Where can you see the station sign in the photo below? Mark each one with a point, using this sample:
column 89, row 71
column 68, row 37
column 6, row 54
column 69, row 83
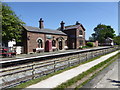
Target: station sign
column 49, row 36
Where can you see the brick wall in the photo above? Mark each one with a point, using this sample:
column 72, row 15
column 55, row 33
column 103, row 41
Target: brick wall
column 71, row 33
column 30, row 42
column 80, row 37
column 74, row 37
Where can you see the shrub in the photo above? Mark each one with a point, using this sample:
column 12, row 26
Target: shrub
column 82, row 47
column 85, row 46
column 90, row 44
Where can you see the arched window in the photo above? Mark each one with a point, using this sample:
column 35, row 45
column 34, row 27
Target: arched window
column 53, row 43
column 40, row 43
column 80, row 33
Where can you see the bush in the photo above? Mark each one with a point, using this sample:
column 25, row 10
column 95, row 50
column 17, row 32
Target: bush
column 90, row 44
column 85, row 46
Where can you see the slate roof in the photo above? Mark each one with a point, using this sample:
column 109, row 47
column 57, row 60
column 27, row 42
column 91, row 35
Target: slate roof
column 72, row 27
column 44, row 30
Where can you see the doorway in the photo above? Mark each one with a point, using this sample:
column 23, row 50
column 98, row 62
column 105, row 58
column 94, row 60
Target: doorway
column 60, row 45
column 48, row 46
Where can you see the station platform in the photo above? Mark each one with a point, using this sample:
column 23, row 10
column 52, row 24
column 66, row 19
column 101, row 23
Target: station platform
column 46, row 54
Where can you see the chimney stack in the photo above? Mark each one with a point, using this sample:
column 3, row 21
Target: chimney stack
column 62, row 26
column 77, row 23
column 41, row 23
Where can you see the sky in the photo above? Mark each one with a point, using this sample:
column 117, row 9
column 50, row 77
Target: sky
column 60, row 0
column 89, row 14
column 119, row 18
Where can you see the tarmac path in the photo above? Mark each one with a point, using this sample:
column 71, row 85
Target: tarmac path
column 107, row 78
column 58, row 79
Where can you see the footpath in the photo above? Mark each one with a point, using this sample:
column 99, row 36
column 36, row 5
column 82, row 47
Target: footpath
column 58, row 79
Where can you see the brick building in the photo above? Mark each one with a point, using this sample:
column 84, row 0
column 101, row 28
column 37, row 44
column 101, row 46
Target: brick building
column 75, row 34
column 42, row 39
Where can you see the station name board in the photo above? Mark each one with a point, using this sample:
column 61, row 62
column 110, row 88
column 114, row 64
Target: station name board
column 48, row 36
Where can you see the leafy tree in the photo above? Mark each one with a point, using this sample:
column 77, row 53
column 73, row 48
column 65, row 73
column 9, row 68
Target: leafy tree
column 102, row 32
column 11, row 25
column 91, row 39
column 117, row 40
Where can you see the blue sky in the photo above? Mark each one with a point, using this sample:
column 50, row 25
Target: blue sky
column 90, row 14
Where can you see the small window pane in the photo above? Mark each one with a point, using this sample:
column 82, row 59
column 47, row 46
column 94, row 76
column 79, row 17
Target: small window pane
column 81, row 42
column 81, row 33
column 53, row 43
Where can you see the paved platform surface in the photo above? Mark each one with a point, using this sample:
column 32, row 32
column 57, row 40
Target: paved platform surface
column 45, row 54
column 21, row 56
column 107, row 78
column 58, row 79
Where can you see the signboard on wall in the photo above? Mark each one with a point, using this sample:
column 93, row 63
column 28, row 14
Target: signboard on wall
column 48, row 36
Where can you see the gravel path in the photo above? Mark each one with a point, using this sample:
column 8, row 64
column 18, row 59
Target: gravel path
column 58, row 79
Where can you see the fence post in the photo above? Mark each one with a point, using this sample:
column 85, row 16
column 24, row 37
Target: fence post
column 54, row 67
column 33, row 70
column 92, row 54
column 79, row 57
column 86, row 56
column 68, row 61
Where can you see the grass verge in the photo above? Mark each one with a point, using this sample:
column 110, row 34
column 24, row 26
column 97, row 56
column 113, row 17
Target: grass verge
column 80, row 76
column 34, row 81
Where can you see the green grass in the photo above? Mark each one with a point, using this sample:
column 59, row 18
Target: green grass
column 34, row 81
column 80, row 76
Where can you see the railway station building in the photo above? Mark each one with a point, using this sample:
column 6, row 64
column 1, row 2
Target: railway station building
column 40, row 39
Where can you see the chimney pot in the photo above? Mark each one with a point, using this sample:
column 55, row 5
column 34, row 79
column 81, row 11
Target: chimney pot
column 77, row 23
column 62, row 25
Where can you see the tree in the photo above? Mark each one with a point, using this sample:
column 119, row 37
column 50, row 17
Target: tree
column 102, row 32
column 11, row 25
column 91, row 39
column 117, row 40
